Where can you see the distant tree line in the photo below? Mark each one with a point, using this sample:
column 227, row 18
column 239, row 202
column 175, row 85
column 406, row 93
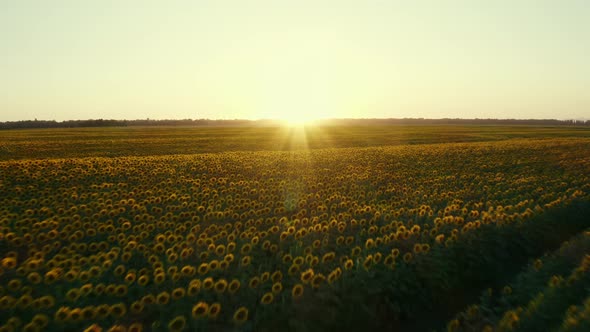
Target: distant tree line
column 447, row 121
column 31, row 124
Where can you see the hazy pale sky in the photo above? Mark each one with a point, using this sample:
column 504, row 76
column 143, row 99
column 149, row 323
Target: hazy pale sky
column 283, row 59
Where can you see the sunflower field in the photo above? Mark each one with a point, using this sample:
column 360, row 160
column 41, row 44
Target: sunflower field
column 474, row 236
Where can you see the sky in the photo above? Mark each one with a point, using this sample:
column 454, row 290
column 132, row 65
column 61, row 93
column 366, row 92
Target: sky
column 248, row 59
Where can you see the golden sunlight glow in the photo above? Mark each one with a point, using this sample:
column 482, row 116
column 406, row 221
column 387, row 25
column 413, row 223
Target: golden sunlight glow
column 297, row 119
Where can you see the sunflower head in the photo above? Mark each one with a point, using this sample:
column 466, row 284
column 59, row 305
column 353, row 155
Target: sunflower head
column 177, row 324
column 163, row 298
column 254, row 282
column 214, row 310
column 136, row 307
column 306, row 276
column 135, row 327
column 178, row 293
column 277, row 287
column 276, row 276
column 267, row 298
column 233, row 286
column 240, row 316
column 208, row 283
column 317, row 280
column 200, row 310
column 297, row 291
column 118, row 310
column 220, row 286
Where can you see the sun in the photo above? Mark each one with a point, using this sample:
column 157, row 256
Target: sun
column 298, row 119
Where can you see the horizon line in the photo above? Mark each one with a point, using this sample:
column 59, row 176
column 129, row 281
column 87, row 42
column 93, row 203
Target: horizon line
column 282, row 120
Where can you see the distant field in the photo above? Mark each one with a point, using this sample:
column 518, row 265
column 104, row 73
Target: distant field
column 144, row 141
column 376, row 228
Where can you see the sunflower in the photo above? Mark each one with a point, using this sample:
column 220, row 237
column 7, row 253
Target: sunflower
column 276, row 276
column 203, row 268
column 177, row 324
column 333, row 276
column 135, row 327
column 159, row 278
column 86, row 289
column 88, row 313
column 355, row 251
column 47, row 301
column 187, row 271
column 15, row 285
column 241, row 315
column 233, row 286
column 231, row 246
column 178, row 293
column 267, row 298
column 143, row 280
column 121, row 290
column 200, row 310
column 228, row 258
column 9, row 263
column 307, row 276
column 102, row 311
column 298, row 260
column 377, row 258
column 246, row 248
column 328, row 257
column 163, row 298
column 130, row 278
column 194, row 287
column 62, row 315
column 417, row 248
column 213, row 265
column 349, row 264
column 274, row 248
column 265, row 276
column 214, row 310
column 317, row 280
column 34, row 278
column 277, row 287
column 93, row 272
column 119, row 270
column 118, row 310
column 293, row 270
column 297, row 291
column 314, row 261
column 246, row 261
column 368, row 262
column 220, row 286
column 148, row 299
column 254, row 282
column 40, row 320
column 208, row 283
column 136, row 307
column 74, row 315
